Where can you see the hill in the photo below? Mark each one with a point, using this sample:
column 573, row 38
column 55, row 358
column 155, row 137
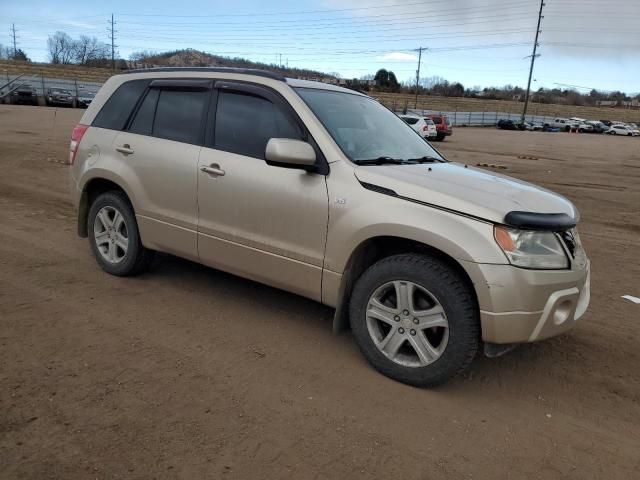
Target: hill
column 195, row 58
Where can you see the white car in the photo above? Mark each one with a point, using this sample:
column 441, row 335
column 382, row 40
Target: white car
column 634, row 128
column 623, row 130
column 424, row 126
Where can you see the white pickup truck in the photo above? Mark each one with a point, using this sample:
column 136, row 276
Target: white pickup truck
column 569, row 124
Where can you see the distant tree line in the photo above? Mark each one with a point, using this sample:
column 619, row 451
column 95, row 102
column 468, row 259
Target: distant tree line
column 7, row 53
column 85, row 50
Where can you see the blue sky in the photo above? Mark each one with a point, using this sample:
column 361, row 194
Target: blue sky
column 586, row 43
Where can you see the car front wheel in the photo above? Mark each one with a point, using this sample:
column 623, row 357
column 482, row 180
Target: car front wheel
column 415, row 319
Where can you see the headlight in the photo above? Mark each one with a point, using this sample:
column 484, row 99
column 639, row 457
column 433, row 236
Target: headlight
column 531, row 249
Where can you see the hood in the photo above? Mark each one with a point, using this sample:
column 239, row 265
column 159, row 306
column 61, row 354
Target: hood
column 467, row 190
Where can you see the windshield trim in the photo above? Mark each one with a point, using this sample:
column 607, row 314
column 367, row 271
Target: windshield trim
column 356, row 94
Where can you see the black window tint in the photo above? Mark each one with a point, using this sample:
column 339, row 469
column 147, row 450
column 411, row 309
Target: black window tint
column 115, row 112
column 143, row 121
column 245, row 123
column 410, row 120
column 437, row 120
column 179, row 115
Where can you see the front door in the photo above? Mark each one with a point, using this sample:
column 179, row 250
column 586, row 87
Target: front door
column 259, row 221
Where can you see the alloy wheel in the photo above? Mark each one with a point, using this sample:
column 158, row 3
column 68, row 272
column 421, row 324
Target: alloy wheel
column 407, row 323
column 110, row 233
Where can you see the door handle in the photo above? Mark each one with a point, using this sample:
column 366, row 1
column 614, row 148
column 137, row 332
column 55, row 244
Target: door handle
column 213, row 169
column 126, row 149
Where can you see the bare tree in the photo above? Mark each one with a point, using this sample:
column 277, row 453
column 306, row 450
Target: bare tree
column 87, row 50
column 61, row 48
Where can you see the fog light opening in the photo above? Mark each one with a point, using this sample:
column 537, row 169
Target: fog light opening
column 562, row 312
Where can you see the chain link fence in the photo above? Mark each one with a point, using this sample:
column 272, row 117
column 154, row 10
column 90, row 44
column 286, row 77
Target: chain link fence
column 43, row 86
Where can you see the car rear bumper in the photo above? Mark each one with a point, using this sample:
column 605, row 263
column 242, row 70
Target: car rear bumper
column 518, row 305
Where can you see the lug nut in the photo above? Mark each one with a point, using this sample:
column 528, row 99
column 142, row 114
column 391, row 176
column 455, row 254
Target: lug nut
column 412, row 332
column 405, row 312
column 401, row 330
column 396, row 318
column 416, row 321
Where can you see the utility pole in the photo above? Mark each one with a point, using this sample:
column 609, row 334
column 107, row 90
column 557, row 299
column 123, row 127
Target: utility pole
column 13, row 34
column 415, row 105
column 280, row 62
column 112, row 32
column 533, row 60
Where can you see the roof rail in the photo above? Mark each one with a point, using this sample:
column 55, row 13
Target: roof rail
column 244, row 71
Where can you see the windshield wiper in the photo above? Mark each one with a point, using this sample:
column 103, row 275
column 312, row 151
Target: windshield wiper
column 381, row 161
column 425, row 159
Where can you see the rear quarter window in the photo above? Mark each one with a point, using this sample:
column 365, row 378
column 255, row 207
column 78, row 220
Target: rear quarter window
column 117, row 109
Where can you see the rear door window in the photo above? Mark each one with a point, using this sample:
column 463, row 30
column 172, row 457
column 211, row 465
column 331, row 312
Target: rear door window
column 437, row 120
column 117, row 109
column 245, row 123
column 410, row 120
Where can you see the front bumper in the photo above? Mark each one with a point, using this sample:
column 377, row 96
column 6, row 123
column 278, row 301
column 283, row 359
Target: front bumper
column 518, row 305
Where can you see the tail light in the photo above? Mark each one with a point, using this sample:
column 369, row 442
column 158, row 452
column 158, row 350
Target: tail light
column 76, row 136
column 425, row 128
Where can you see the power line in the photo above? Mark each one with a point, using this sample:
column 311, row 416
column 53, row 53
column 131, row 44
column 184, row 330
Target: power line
column 307, row 12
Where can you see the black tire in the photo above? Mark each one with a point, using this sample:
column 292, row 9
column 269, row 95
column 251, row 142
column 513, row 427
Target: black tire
column 451, row 291
column 137, row 258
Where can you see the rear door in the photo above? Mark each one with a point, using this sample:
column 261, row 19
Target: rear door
column 160, row 149
column 263, row 222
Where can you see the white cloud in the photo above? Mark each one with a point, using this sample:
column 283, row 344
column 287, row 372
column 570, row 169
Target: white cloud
column 398, row 57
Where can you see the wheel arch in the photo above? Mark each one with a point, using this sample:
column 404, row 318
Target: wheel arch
column 376, row 248
column 91, row 190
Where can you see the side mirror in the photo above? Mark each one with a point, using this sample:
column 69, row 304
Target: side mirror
column 287, row 153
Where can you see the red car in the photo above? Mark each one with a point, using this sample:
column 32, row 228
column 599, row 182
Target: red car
column 443, row 126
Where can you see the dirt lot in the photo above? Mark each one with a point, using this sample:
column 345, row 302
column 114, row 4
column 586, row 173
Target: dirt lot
column 187, row 372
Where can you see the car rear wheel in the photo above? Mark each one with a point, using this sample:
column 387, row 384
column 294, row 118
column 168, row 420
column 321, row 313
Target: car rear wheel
column 114, row 236
column 415, row 319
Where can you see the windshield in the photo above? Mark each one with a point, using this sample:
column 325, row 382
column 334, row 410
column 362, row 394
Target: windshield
column 364, row 129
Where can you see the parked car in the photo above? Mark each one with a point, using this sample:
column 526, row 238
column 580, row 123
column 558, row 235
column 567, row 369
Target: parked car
column 59, row 96
column 443, row 126
column 561, row 123
column 622, row 130
column 581, row 125
column 425, row 127
column 608, row 123
column 533, row 126
column 510, row 125
column 84, row 99
column 598, row 127
column 427, row 260
column 24, row 95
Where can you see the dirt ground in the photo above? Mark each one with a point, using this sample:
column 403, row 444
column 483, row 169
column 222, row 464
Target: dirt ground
column 187, row 372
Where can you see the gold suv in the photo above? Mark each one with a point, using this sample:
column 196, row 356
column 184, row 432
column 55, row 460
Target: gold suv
column 323, row 192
